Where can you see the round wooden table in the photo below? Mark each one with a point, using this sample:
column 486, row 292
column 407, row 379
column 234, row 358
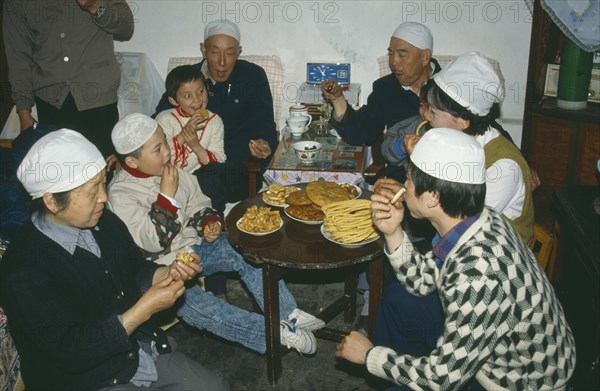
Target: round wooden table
column 295, row 246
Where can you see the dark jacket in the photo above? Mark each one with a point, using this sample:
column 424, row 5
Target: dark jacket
column 387, row 104
column 62, row 309
column 245, row 104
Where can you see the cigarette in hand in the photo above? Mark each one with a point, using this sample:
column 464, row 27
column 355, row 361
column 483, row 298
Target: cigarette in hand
column 399, row 194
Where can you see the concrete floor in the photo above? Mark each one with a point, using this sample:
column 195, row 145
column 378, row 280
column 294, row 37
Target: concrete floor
column 247, row 370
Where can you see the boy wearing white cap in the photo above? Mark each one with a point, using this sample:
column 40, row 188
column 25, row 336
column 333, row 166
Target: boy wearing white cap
column 394, row 97
column 166, row 212
column 78, row 295
column 503, row 326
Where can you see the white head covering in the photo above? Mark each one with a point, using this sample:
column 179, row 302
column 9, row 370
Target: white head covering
column 450, row 155
column 60, row 161
column 416, row 34
column 472, row 82
column 222, row 26
column 132, row 132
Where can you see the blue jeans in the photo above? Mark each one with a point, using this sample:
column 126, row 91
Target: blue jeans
column 207, row 312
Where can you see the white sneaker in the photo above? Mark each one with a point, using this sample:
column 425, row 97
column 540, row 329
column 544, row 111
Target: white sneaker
column 301, row 340
column 305, row 320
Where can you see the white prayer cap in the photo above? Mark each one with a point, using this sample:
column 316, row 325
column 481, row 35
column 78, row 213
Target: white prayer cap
column 132, row 132
column 60, row 161
column 472, row 82
column 222, row 26
column 450, row 155
column 416, row 34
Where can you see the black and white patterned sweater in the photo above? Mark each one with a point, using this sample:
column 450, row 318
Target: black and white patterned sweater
column 503, row 323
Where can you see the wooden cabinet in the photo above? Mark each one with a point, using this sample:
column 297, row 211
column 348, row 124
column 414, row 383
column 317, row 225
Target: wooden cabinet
column 564, row 152
column 562, row 145
column 578, row 277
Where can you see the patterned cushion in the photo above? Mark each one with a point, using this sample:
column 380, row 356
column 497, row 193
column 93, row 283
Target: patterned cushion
column 271, row 64
column 443, row 60
column 9, row 358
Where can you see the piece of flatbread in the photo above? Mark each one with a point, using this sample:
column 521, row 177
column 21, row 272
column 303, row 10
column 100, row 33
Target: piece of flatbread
column 323, row 192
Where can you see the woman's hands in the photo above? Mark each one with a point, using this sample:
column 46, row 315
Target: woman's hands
column 160, row 296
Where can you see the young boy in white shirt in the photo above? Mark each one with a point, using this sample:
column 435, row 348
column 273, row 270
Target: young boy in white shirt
column 195, row 134
column 165, row 211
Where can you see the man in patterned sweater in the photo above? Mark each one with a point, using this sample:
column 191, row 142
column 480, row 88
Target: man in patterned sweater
column 504, row 328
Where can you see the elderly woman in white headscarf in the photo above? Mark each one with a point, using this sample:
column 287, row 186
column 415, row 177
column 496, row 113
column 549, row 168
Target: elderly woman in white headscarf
column 76, row 291
column 466, row 96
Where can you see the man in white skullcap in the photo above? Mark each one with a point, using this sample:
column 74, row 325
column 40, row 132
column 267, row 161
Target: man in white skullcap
column 166, row 213
column 78, row 293
column 501, row 325
column 394, row 97
column 239, row 92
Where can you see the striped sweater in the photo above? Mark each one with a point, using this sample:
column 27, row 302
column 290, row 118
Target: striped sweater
column 503, row 323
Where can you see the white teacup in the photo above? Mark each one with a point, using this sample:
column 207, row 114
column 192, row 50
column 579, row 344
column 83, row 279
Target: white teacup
column 297, row 124
column 298, row 110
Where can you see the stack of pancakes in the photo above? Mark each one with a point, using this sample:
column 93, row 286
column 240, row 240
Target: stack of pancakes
column 306, row 204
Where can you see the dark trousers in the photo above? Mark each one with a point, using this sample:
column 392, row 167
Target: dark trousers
column 222, row 183
column 410, row 325
column 94, row 124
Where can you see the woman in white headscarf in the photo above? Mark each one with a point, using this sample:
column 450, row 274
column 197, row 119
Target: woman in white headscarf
column 466, row 96
column 76, row 291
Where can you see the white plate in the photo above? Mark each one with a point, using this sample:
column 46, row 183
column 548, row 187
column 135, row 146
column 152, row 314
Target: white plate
column 284, row 205
column 327, row 236
column 286, row 129
column 237, row 223
column 310, row 222
column 269, row 202
column 358, row 192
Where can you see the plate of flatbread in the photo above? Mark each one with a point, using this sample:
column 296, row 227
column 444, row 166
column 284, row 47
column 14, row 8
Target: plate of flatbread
column 307, row 214
column 305, row 205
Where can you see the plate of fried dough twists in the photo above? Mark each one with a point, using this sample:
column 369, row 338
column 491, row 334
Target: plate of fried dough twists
column 349, row 223
column 260, row 221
